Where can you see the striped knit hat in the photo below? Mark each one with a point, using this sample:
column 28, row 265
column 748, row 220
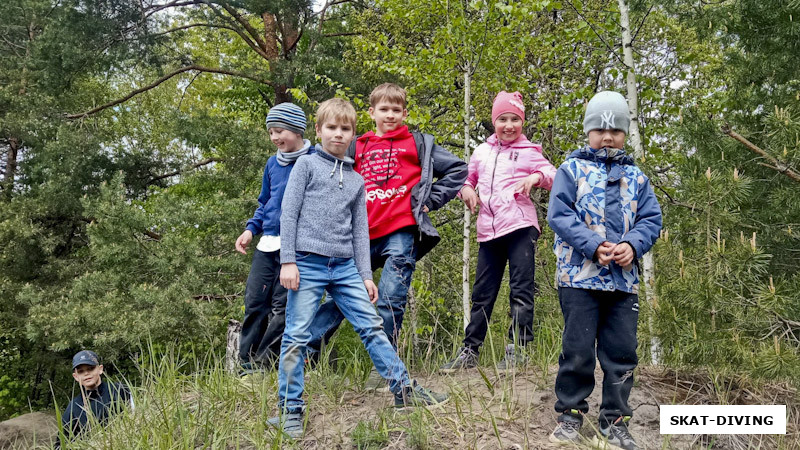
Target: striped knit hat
column 289, row 116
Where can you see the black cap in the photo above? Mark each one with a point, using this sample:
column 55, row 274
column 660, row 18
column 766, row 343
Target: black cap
column 85, row 357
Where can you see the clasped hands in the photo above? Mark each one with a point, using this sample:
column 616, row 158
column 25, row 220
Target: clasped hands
column 622, row 253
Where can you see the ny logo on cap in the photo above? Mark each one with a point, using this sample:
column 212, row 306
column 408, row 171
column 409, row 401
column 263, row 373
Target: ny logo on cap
column 607, row 119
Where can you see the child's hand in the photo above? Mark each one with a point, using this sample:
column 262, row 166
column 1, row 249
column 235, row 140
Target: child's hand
column 623, row 254
column 290, row 276
column 604, row 254
column 525, row 185
column 243, row 241
column 372, row 291
column 470, row 198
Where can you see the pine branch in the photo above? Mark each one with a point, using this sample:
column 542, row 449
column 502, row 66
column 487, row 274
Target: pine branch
column 161, row 80
column 192, row 25
column 258, row 46
column 239, row 18
column 777, row 166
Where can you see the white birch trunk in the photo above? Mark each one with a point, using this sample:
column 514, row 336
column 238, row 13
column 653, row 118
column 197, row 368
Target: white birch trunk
column 635, row 139
column 467, row 217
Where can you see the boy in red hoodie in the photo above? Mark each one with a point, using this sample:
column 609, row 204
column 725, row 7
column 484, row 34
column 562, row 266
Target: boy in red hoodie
column 398, row 167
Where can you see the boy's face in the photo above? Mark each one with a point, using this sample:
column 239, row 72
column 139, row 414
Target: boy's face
column 88, row 376
column 387, row 116
column 508, row 127
column 335, row 137
column 286, row 141
column 606, row 138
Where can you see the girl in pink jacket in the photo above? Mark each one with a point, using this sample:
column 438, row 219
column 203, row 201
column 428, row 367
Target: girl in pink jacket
column 503, row 170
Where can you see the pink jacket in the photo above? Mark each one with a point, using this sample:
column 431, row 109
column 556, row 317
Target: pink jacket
column 494, row 169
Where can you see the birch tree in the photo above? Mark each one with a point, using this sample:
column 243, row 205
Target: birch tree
column 635, row 140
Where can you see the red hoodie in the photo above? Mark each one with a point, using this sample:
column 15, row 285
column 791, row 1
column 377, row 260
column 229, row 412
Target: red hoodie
column 390, row 167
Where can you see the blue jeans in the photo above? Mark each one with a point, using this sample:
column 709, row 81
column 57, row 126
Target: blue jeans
column 397, row 254
column 340, row 278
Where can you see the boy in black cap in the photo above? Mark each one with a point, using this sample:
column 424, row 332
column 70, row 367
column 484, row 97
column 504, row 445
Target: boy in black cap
column 102, row 397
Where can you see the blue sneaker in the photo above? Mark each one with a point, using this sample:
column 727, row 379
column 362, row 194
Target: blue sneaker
column 289, row 424
column 416, row 395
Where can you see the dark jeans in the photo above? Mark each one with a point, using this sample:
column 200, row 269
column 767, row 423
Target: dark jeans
column 518, row 248
column 264, row 310
column 396, row 253
column 607, row 320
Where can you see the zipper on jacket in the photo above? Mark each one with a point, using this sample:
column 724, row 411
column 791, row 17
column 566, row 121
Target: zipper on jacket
column 491, row 192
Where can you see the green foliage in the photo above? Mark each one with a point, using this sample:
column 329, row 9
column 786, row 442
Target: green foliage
column 727, row 278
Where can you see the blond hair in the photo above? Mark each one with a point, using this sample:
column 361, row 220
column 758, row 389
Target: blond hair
column 336, row 110
column 388, row 92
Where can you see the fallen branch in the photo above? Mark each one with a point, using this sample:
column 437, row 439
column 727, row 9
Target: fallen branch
column 777, row 166
column 212, row 297
column 151, row 234
column 161, row 80
column 178, row 172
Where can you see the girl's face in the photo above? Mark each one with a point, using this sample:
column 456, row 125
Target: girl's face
column 508, row 127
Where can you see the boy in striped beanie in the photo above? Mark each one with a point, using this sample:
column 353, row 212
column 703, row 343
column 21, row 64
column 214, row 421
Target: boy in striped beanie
column 264, row 297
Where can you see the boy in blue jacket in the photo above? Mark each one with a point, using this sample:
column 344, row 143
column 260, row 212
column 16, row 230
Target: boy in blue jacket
column 605, row 216
column 264, row 297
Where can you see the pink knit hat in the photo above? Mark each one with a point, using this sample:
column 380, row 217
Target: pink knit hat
column 508, row 102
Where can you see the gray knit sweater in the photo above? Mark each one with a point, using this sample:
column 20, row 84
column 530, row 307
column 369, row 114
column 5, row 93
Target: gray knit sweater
column 324, row 211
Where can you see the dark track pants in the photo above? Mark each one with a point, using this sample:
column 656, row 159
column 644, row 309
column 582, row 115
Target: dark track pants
column 604, row 324
column 518, row 248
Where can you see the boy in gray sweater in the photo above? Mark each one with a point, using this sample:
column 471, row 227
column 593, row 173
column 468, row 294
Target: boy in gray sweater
column 325, row 246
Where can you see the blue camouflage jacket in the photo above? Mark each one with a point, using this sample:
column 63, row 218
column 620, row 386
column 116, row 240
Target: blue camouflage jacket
column 600, row 195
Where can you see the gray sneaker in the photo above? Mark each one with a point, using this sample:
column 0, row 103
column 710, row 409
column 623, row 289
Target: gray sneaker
column 514, row 358
column 416, row 395
column 466, row 359
column 616, row 436
column 567, row 432
column 290, row 424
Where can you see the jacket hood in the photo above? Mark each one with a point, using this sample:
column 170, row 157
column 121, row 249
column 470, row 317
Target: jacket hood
column 400, row 132
column 346, row 162
column 520, row 142
column 603, row 155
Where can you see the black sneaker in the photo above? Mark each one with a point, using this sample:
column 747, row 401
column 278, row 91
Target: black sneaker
column 250, row 368
column 289, row 424
column 514, row 358
column 616, row 436
column 466, row 359
column 568, row 431
column 416, row 395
